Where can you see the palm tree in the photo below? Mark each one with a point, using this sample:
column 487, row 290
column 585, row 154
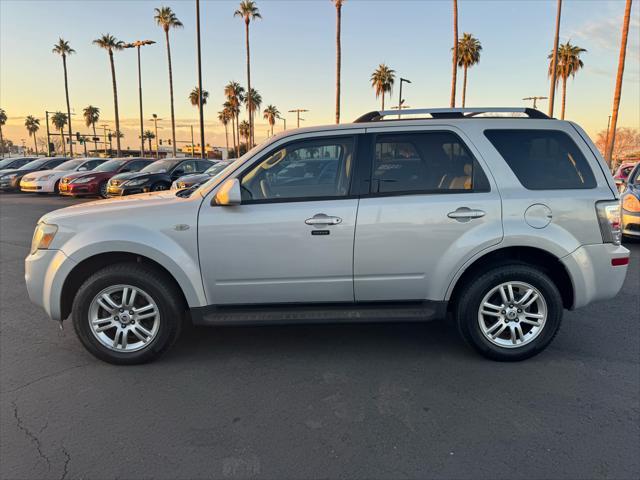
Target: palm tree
column 382, row 80
column 194, row 97
column 618, row 91
column 3, row 122
column 235, row 97
column 166, row 19
column 245, row 132
column 63, row 49
column 224, row 116
column 253, row 101
column 33, row 125
column 111, row 44
column 567, row 64
column 148, row 135
column 338, row 4
column 91, row 116
column 469, row 49
column 271, row 114
column 248, row 11
column 59, row 121
column 554, row 55
column 455, row 54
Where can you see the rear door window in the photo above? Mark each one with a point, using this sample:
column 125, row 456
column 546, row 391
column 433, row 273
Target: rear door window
column 543, row 159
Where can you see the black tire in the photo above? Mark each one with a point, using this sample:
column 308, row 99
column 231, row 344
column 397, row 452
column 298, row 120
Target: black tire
column 468, row 305
column 56, row 188
column 156, row 284
column 102, row 190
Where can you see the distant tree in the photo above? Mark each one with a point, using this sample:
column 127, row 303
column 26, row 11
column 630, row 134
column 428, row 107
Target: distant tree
column 91, row 116
column 253, row 101
column 148, row 135
column 567, row 64
column 33, row 125
column 271, row 114
column 194, row 97
column 469, row 49
column 627, row 144
column 224, row 116
column 245, row 132
column 3, row 122
column 63, row 49
column 382, row 80
column 59, row 121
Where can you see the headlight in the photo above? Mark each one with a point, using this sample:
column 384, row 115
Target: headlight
column 82, row 180
column 135, row 183
column 9, row 176
column 631, row 204
column 43, row 178
column 43, row 236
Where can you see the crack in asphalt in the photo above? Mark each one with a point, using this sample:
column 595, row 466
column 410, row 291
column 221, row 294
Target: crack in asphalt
column 67, row 460
column 30, row 435
column 44, row 377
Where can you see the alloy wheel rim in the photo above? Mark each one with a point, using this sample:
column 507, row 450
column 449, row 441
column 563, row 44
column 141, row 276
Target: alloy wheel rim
column 512, row 314
column 103, row 189
column 124, row 318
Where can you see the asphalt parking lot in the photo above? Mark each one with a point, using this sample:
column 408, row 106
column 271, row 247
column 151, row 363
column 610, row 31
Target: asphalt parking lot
column 344, row 401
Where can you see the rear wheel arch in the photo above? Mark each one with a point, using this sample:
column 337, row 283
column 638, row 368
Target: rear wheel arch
column 89, row 266
column 531, row 256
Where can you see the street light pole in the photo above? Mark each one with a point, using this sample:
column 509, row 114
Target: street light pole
column 193, row 146
column 201, row 110
column 104, row 128
column 284, row 120
column 155, row 124
column 137, row 44
column 48, row 139
column 400, row 95
column 297, row 111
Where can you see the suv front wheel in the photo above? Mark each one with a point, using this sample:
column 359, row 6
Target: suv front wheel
column 509, row 313
column 127, row 314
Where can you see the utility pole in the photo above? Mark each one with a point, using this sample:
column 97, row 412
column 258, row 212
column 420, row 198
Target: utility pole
column 400, row 100
column 554, row 61
column 104, row 128
column 535, row 100
column 137, row 44
column 155, row 124
column 200, row 106
column 298, row 111
column 193, row 145
column 48, row 139
column 285, row 123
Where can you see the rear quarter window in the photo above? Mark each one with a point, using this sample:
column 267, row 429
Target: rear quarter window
column 543, row 159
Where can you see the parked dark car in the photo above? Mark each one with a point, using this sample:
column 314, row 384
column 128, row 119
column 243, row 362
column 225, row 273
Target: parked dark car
column 630, row 201
column 194, row 179
column 95, row 182
column 155, row 177
column 10, row 180
column 12, row 163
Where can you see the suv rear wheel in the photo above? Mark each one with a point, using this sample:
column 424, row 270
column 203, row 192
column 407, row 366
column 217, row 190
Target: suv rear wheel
column 510, row 313
column 127, row 314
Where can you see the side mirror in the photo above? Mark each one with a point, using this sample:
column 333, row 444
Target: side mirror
column 228, row 194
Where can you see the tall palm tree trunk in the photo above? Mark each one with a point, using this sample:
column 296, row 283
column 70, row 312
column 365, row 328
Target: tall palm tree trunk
column 173, row 116
column 455, row 54
column 64, row 148
column 338, row 59
column 115, row 102
column 554, row 61
column 238, row 133
column 618, row 91
column 464, row 87
column 95, row 141
column 35, row 143
column 233, row 134
column 1, row 144
column 246, row 25
column 382, row 101
column 149, row 140
column 226, row 136
column 564, row 96
column 66, row 91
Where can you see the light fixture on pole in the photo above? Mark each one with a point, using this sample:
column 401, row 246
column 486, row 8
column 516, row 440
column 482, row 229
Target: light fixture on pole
column 297, row 111
column 535, row 100
column 155, row 125
column 137, row 44
column 200, row 106
column 400, row 100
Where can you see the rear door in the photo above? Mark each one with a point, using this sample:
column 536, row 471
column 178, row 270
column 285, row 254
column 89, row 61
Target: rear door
column 429, row 205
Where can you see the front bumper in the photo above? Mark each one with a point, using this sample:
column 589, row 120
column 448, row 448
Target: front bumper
column 9, row 184
column 593, row 274
column 122, row 190
column 78, row 189
column 44, row 274
column 630, row 223
column 38, row 186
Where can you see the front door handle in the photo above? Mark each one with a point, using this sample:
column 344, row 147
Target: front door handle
column 323, row 219
column 464, row 214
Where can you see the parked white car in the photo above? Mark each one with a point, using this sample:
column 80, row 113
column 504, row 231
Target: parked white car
column 47, row 181
column 501, row 222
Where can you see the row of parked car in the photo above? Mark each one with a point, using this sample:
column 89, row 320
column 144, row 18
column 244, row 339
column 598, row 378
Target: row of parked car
column 104, row 177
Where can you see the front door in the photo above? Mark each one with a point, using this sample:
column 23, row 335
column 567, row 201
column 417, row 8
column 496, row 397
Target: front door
column 291, row 239
column 429, row 208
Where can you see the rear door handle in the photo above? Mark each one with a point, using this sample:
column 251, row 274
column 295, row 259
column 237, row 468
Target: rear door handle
column 323, row 219
column 464, row 214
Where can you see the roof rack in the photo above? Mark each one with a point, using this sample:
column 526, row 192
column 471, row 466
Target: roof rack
column 438, row 113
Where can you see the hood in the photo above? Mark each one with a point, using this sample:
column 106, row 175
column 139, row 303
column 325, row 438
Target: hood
column 194, row 177
column 123, row 177
column 7, row 170
column 76, row 175
column 128, row 206
column 40, row 173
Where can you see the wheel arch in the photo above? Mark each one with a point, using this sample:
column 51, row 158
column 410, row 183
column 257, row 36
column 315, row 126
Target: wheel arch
column 535, row 257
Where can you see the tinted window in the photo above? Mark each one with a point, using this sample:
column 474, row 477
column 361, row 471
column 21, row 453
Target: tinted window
column 203, row 165
column 160, row 166
column 425, row 162
column 306, row 169
column 634, row 178
column 35, row 164
column 110, row 166
column 69, row 165
column 188, row 167
column 137, row 165
column 13, row 162
column 543, row 159
column 91, row 164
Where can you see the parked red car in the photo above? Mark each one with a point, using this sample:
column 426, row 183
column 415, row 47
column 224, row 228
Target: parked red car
column 622, row 173
column 95, row 182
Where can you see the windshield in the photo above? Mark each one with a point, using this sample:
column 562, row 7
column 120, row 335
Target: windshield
column 69, row 165
column 8, row 161
column 217, row 168
column 160, row 166
column 110, row 166
column 34, row 164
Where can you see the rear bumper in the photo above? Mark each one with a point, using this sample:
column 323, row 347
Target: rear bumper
column 592, row 273
column 631, row 223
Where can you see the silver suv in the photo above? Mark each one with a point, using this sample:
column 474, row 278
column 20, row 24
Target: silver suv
column 500, row 218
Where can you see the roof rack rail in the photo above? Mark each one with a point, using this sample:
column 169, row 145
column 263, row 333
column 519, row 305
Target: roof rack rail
column 437, row 113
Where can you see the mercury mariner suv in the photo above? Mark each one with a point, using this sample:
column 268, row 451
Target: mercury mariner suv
column 496, row 218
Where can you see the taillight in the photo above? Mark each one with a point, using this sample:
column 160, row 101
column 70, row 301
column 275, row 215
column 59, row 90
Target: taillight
column 630, row 203
column 609, row 218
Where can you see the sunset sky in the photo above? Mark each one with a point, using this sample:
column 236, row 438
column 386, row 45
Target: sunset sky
column 293, row 58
